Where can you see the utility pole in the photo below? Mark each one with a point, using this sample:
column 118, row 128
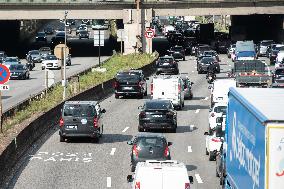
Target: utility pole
column 1, row 118
column 64, row 54
column 137, row 19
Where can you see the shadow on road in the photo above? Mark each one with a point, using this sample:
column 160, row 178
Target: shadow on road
column 113, row 138
column 185, row 129
column 195, row 107
column 191, row 167
column 198, row 98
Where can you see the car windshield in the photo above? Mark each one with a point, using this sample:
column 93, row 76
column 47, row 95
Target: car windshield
column 204, row 48
column 158, row 105
column 150, row 142
column 44, row 49
column 209, row 53
column 60, row 34
column 163, row 60
column 279, row 72
column 17, row 67
column 79, row 110
column 51, row 58
column 221, row 109
column 83, row 32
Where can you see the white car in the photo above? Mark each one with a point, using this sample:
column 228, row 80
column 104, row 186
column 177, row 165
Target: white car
column 51, row 62
column 218, row 110
column 214, row 141
column 279, row 59
column 220, row 89
column 154, row 174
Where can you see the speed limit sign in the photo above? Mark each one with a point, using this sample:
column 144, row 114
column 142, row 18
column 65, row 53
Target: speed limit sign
column 149, row 33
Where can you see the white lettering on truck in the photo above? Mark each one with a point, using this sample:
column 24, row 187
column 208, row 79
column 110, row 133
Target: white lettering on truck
column 244, row 156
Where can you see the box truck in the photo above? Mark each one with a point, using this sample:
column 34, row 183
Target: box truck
column 254, row 139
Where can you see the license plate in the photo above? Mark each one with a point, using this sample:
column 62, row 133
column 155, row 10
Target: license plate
column 71, row 127
column 166, row 64
column 127, row 88
column 157, row 115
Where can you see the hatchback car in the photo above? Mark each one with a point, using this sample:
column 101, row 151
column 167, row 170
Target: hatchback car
column 157, row 114
column 167, row 65
column 149, row 146
column 81, row 119
column 130, row 82
column 177, row 52
column 19, row 71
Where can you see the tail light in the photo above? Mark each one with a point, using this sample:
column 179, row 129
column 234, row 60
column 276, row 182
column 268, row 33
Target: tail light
column 142, row 115
column 96, row 122
column 166, row 152
column 135, row 150
column 115, row 84
column 152, row 87
column 61, row 122
column 212, row 115
column 137, row 185
column 216, row 140
column 187, row 186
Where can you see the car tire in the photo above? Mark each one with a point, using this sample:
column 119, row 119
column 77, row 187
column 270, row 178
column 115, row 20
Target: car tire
column 183, row 104
column 183, row 58
column 28, row 76
column 42, row 68
column 96, row 139
column 116, row 96
column 199, row 71
column 174, row 130
column 140, row 129
column 191, row 96
column 62, row 139
column 140, row 96
column 211, row 156
column 206, row 152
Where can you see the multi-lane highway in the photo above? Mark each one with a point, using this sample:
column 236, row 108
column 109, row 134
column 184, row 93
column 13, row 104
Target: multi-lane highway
column 83, row 164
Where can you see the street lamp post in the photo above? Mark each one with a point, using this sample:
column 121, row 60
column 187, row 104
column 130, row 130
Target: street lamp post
column 64, row 54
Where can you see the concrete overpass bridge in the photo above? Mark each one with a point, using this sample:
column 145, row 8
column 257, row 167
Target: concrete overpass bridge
column 133, row 18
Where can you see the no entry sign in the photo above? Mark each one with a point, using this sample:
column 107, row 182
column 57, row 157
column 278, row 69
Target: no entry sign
column 149, row 33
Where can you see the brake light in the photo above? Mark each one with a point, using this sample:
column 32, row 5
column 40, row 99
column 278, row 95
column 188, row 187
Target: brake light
column 135, row 150
column 115, row 84
column 142, row 115
column 152, row 87
column 187, row 186
column 96, row 122
column 61, row 122
column 167, row 152
column 137, row 185
column 216, row 140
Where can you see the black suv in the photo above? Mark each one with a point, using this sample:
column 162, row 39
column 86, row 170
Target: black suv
column 81, row 119
column 177, row 52
column 130, row 82
column 157, row 114
column 149, row 146
column 278, row 76
column 167, row 65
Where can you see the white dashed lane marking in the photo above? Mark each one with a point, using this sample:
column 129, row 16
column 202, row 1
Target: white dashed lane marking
column 206, row 98
column 197, row 111
column 109, row 182
column 124, row 130
column 189, row 149
column 198, row 178
column 112, row 151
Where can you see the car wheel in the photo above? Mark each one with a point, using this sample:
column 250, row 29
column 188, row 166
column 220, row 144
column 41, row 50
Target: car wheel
column 183, row 58
column 199, row 71
column 206, row 152
column 62, row 139
column 42, row 68
column 140, row 129
column 116, row 96
column 211, row 156
column 183, row 104
column 28, row 76
column 140, row 96
column 96, row 140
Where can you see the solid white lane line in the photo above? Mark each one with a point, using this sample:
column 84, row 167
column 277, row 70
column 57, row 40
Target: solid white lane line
column 197, row 111
column 124, row 130
column 189, row 149
column 112, row 151
column 198, row 178
column 108, row 182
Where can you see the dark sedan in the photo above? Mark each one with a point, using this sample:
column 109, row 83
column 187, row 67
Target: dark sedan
column 83, row 34
column 202, row 66
column 48, row 30
column 19, row 71
column 157, row 114
column 41, row 36
column 167, row 65
column 149, row 146
column 59, row 38
column 177, row 52
column 278, row 76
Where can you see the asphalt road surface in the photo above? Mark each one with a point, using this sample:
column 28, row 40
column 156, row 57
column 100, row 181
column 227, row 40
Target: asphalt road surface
column 83, row 164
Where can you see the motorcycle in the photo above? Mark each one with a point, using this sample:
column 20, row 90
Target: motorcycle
column 210, row 77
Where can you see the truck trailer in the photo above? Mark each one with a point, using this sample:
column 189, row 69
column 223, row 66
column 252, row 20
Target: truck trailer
column 254, row 139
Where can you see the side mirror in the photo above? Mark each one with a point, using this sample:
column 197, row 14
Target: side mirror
column 103, row 111
column 206, row 133
column 129, row 178
column 170, row 143
column 130, row 142
column 190, row 178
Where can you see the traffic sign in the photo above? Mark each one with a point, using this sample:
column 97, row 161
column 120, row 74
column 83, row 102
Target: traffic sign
column 4, row 74
column 149, row 33
column 99, row 38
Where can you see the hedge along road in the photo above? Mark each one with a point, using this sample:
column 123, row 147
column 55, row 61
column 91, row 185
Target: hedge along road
column 22, row 89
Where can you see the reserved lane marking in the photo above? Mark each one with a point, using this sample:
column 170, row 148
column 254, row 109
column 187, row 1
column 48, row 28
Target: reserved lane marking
column 108, row 182
column 206, row 98
column 197, row 111
column 112, row 151
column 124, row 130
column 189, row 149
column 198, row 178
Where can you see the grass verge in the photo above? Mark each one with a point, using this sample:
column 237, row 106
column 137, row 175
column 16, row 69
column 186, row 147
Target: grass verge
column 116, row 63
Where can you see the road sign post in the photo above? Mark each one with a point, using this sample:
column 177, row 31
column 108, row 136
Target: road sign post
column 4, row 78
column 99, row 38
column 149, row 34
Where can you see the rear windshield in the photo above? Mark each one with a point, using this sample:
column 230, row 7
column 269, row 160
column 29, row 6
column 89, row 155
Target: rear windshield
column 279, row 72
column 162, row 60
column 79, row 110
column 221, row 109
column 150, row 142
column 158, row 105
column 128, row 77
column 266, row 43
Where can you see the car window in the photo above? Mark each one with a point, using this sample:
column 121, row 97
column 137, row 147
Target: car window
column 163, row 60
column 220, row 109
column 162, row 105
column 127, row 77
column 51, row 58
column 79, row 110
column 219, row 132
column 150, row 142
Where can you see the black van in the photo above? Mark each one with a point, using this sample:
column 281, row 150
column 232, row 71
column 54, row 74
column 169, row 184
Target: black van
column 81, row 119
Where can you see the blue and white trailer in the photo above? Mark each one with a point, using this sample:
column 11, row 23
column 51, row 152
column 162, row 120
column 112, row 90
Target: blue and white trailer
column 254, row 139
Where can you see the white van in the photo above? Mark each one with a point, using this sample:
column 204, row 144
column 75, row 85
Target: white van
column 220, row 89
column 154, row 174
column 168, row 87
